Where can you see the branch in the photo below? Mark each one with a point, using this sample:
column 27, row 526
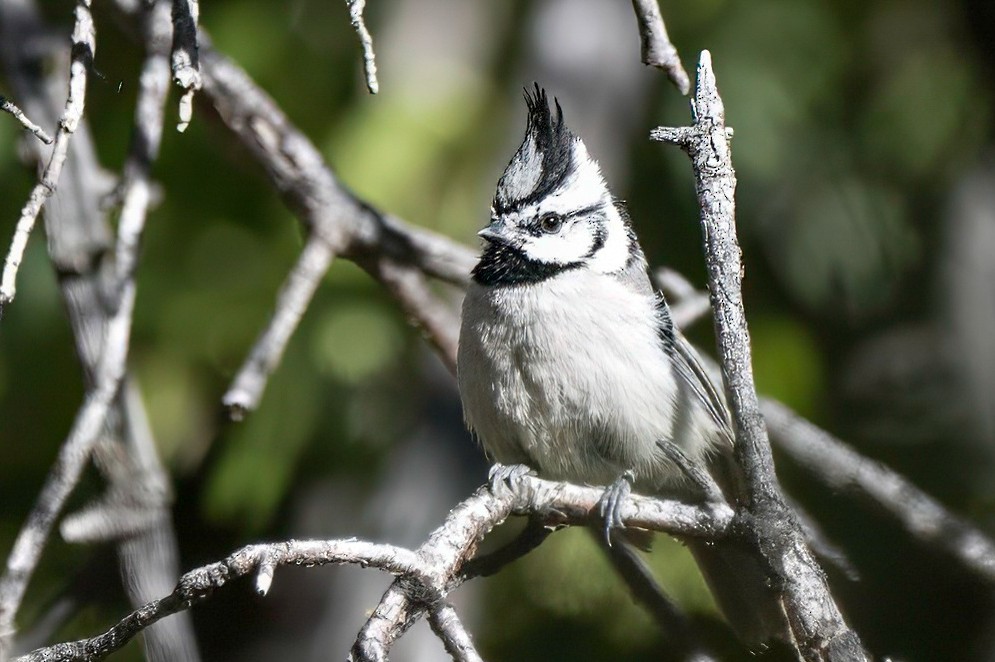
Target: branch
column 356, row 8
column 687, row 303
column 396, row 254
column 186, row 60
column 448, row 627
column 842, row 468
column 657, row 50
column 425, row 576
column 247, row 389
column 816, row 625
column 198, row 585
column 645, row 589
column 7, row 106
column 83, row 48
column 72, row 458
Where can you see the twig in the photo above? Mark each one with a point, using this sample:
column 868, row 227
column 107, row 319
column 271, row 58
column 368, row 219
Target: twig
column 447, row 625
column 645, row 589
column 69, row 465
column 7, row 106
column 186, row 60
column 409, row 286
column 425, row 575
column 687, row 303
column 843, row 468
column 356, row 8
column 83, row 48
column 657, row 50
column 533, row 535
column 392, row 251
column 815, row 623
column 295, row 295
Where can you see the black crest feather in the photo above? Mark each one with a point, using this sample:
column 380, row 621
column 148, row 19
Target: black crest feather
column 544, row 159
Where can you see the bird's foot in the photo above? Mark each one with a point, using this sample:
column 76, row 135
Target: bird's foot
column 505, row 476
column 610, row 505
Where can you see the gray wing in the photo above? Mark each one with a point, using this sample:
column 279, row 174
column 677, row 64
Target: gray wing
column 690, row 370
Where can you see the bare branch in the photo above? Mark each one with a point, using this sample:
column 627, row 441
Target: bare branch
column 426, row 576
column 842, row 468
column 7, row 106
column 687, row 303
column 83, row 47
column 650, row 594
column 295, row 295
column 437, row 320
column 356, row 8
column 815, row 622
column 533, row 535
column 447, row 625
column 657, row 50
column 393, row 252
column 198, row 585
column 450, row 546
column 69, row 465
column 186, row 60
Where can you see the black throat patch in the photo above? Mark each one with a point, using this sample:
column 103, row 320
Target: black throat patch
column 501, row 265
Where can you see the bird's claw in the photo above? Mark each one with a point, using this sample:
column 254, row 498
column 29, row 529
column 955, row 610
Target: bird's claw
column 504, row 476
column 612, row 501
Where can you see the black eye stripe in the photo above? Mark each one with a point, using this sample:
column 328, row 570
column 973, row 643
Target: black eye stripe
column 534, row 225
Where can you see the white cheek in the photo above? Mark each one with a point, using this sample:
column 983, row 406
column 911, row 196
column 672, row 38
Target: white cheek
column 614, row 255
column 571, row 246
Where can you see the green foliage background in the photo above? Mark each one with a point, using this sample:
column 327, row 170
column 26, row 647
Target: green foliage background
column 854, row 122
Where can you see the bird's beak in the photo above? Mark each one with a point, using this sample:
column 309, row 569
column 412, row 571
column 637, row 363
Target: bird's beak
column 493, row 233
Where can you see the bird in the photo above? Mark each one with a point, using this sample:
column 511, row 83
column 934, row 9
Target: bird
column 568, row 361
column 569, row 364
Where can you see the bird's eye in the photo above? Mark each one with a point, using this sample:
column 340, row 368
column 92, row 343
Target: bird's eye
column 551, row 223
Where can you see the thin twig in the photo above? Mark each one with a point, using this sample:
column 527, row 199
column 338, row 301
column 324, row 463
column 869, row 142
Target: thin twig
column 814, row 621
column 645, row 589
column 688, row 304
column 295, row 295
column 398, row 255
column 409, row 286
column 356, row 8
column 533, row 535
column 83, row 47
column 842, row 468
column 186, row 59
column 72, row 458
column 657, row 49
column 7, row 106
column 448, row 627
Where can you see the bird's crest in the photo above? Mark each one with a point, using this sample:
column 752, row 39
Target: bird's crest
column 544, row 159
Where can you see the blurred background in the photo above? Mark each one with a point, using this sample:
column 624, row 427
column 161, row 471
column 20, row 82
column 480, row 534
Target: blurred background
column 866, row 210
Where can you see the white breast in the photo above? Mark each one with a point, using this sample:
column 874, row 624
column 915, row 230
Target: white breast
column 570, row 377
